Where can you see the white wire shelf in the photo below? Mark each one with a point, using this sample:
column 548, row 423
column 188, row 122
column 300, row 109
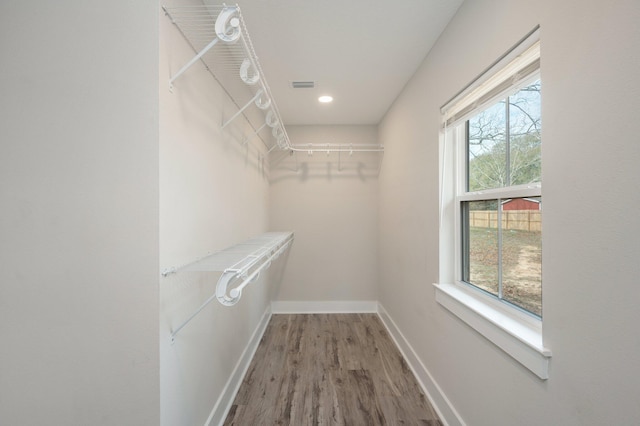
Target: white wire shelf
column 219, row 37
column 310, row 148
column 240, row 265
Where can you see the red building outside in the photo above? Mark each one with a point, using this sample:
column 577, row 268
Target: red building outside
column 521, row 204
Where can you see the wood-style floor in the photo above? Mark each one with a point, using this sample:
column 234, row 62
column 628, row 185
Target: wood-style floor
column 329, row 369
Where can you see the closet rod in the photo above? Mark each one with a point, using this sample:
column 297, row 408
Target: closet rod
column 310, row 148
column 235, row 59
column 244, row 262
column 231, row 275
column 235, row 293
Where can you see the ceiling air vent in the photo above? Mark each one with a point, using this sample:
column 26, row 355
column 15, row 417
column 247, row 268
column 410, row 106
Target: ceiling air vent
column 303, row 84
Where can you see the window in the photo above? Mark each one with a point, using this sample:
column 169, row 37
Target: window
column 500, row 201
column 491, row 206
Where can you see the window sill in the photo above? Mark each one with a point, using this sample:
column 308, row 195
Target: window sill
column 513, row 332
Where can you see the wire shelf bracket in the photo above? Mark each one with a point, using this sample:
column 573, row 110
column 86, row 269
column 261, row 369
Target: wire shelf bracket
column 234, row 65
column 240, row 265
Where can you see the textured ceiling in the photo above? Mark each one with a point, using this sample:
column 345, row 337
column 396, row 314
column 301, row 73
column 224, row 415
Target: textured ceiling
column 361, row 52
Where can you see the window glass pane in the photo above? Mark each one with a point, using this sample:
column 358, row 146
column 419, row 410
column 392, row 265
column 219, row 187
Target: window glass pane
column 487, row 159
column 503, row 142
column 524, row 135
column 522, row 253
column 481, row 235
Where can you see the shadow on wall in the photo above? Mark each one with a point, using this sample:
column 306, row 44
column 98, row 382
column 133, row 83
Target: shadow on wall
column 240, row 141
column 288, row 165
column 276, row 273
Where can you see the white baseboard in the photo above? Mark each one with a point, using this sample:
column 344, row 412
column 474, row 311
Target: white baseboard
column 324, row 307
column 224, row 402
column 448, row 414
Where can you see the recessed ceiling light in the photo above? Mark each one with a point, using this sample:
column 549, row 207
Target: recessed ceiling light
column 325, row 99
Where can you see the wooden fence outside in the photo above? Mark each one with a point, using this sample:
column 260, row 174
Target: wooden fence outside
column 524, row 220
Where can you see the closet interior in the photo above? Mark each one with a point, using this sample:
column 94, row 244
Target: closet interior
column 225, row 248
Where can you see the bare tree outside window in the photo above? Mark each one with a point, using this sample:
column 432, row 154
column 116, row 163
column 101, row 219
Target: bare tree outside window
column 503, row 237
column 505, row 143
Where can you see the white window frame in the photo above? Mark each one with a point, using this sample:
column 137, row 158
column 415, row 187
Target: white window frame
column 515, row 331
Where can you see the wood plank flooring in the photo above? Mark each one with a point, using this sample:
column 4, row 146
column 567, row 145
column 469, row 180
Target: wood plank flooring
column 329, row 369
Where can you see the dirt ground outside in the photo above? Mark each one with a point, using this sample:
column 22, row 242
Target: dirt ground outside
column 521, row 265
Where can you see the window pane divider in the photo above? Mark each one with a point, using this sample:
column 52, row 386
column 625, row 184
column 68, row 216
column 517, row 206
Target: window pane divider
column 500, row 253
column 520, row 191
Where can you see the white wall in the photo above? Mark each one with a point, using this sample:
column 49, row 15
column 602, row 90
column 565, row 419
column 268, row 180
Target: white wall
column 79, row 241
column 590, row 63
column 331, row 203
column 213, row 194
column 79, row 213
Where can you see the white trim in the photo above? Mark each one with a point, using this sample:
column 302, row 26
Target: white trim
column 508, row 56
column 518, row 335
column 225, row 400
column 515, row 332
column 323, row 307
column 447, row 413
column 514, row 70
column 516, row 191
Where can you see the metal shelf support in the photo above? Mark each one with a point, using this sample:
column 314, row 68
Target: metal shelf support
column 240, row 265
